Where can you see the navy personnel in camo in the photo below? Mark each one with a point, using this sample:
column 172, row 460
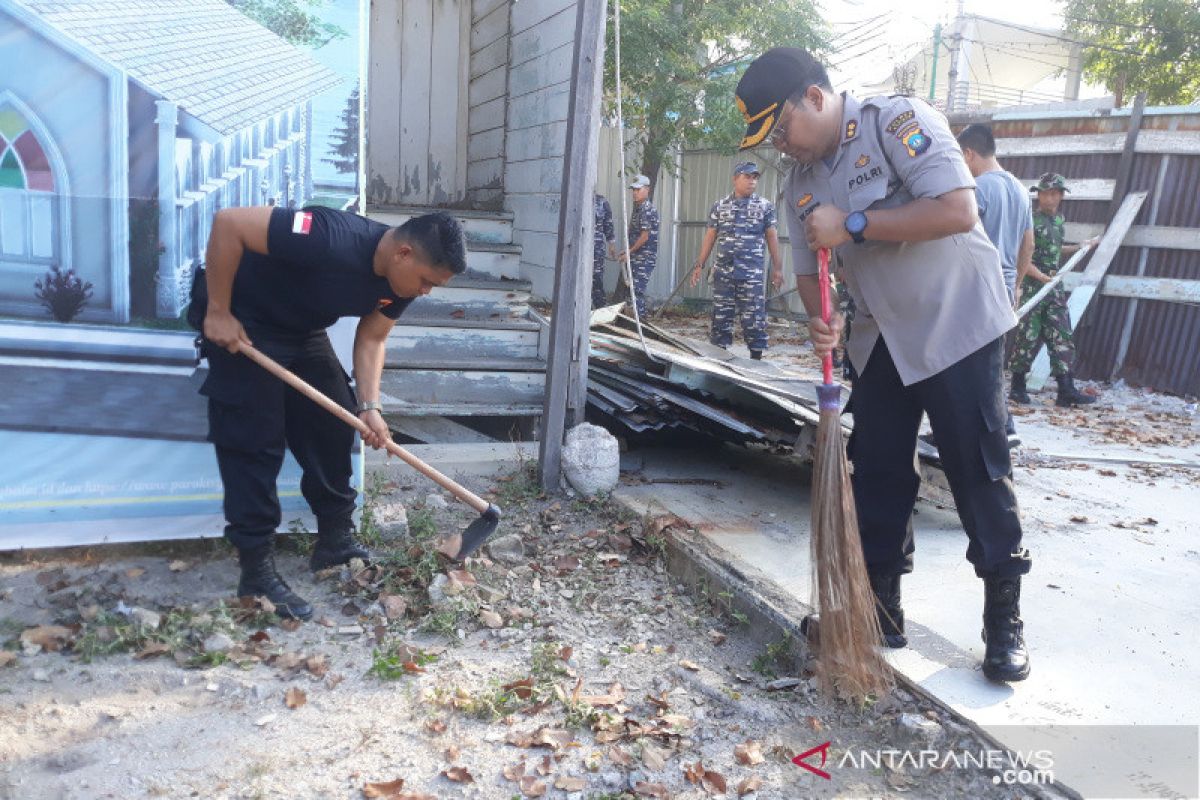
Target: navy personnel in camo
column 276, row 279
column 739, row 224
column 883, row 183
column 603, row 244
column 643, row 240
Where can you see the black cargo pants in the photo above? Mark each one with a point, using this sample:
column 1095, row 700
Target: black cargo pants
column 966, row 408
column 253, row 416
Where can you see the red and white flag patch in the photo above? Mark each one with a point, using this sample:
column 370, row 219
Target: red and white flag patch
column 302, row 222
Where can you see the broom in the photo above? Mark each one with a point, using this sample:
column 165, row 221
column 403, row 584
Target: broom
column 849, row 662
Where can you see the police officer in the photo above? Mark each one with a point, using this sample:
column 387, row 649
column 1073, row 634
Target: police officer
column 643, row 240
column 604, row 243
column 1049, row 322
column 738, row 224
column 883, row 183
column 277, row 278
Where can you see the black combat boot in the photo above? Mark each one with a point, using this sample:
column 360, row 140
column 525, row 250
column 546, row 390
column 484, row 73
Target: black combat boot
column 336, row 546
column 756, row 355
column 1005, row 657
column 887, row 606
column 1068, row 395
column 260, row 579
column 1018, row 392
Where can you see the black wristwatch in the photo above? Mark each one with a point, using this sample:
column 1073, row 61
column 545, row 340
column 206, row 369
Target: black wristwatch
column 856, row 223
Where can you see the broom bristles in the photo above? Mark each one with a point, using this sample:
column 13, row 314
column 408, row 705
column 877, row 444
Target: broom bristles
column 849, row 661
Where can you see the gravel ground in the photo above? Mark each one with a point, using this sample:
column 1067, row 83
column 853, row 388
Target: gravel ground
column 567, row 665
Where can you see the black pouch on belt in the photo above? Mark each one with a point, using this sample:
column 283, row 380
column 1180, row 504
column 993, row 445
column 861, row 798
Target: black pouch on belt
column 199, row 304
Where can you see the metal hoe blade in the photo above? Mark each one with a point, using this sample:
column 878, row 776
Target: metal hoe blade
column 478, row 532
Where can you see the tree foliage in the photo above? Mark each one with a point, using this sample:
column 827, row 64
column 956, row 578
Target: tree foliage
column 291, row 20
column 346, row 137
column 1150, row 46
column 681, row 61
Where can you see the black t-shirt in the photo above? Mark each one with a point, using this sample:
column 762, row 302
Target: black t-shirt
column 319, row 268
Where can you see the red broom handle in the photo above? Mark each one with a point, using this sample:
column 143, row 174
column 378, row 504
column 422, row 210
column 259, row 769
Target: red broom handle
column 826, row 308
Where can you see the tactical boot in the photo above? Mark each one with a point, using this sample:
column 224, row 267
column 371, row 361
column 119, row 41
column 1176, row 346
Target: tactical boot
column 260, row 579
column 887, row 606
column 336, row 547
column 1005, row 657
column 756, row 355
column 1018, row 393
column 1068, row 395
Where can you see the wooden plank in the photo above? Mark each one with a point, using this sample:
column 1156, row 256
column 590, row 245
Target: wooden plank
column 1155, row 236
column 1079, row 144
column 446, row 104
column 542, row 38
column 489, row 58
column 415, row 56
column 1170, row 290
column 485, row 145
column 383, row 87
column 1090, row 189
column 527, row 14
column 1125, row 165
column 565, row 396
column 489, row 28
column 1064, row 274
column 1079, row 300
column 487, row 87
column 436, row 429
column 1182, row 143
column 486, row 117
column 481, row 8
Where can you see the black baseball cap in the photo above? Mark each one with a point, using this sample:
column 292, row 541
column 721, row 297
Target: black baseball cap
column 767, row 84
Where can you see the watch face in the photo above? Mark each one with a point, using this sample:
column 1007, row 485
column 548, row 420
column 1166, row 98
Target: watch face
column 856, row 222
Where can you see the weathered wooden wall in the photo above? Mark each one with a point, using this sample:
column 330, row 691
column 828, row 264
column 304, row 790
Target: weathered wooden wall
column 487, row 103
column 417, row 86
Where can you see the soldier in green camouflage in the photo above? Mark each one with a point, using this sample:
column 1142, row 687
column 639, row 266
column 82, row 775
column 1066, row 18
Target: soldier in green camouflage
column 1049, row 322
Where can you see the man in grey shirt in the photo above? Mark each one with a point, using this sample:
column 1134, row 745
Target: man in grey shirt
column 1003, row 202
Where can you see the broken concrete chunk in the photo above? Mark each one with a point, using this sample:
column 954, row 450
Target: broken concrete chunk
column 218, row 643
column 391, row 519
column 507, row 549
column 435, row 500
column 145, row 617
column 591, row 460
column 919, row 728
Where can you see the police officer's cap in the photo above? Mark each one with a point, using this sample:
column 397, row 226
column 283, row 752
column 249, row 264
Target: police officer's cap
column 746, row 168
column 767, row 84
column 1051, row 180
column 639, row 181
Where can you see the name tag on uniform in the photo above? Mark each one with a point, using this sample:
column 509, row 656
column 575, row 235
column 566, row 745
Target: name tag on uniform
column 302, row 222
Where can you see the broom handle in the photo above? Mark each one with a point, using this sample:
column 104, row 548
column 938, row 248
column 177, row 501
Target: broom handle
column 312, row 393
column 826, row 309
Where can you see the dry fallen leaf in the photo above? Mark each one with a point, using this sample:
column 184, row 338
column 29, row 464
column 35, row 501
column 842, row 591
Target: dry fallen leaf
column 532, row 787
column 751, row 784
column 458, row 775
column 135, row 572
column 570, row 783
column 450, row 545
column 289, row 624
column 716, row 637
column 316, row 666
column 7, row 657
column 514, row 772
column 656, row 790
column 566, row 652
column 152, row 649
column 689, row 665
column 394, row 605
column 294, row 698
column 178, row 565
column 1080, row 519
column 435, row 726
column 386, row 789
column 522, row 688
column 50, row 638
column 491, row 619
column 453, row 752
column 749, row 753
column 653, row 756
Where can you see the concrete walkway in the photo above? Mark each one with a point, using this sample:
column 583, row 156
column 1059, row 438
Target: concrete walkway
column 1111, row 607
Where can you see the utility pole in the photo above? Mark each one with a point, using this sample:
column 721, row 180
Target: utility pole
column 937, row 46
column 955, row 50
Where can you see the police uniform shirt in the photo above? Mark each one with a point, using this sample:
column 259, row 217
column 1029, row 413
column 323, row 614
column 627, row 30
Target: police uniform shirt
column 933, row 302
column 741, row 223
column 319, row 267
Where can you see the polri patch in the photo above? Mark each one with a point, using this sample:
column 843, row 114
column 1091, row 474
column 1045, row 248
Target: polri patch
column 302, row 222
column 915, row 142
column 863, row 160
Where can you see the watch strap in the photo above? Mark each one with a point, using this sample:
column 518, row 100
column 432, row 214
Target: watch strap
column 370, row 405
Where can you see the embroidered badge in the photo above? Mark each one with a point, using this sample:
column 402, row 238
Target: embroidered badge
column 916, row 142
column 899, row 121
column 863, row 160
column 803, row 201
column 302, row 222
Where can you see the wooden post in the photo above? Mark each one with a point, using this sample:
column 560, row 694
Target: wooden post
column 566, row 370
column 1128, row 153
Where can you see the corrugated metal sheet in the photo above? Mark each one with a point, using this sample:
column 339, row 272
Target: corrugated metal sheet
column 1147, row 343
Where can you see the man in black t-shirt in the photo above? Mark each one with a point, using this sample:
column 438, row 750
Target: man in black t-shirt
column 277, row 278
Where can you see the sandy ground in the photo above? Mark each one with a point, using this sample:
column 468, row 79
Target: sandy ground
column 632, row 686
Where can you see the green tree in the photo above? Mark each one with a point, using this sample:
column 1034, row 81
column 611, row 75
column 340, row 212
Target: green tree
column 346, row 138
column 292, row 20
column 681, row 61
column 1132, row 46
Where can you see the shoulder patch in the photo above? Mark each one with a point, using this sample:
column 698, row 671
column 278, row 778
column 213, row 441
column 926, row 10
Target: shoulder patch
column 899, row 121
column 915, row 142
column 302, row 222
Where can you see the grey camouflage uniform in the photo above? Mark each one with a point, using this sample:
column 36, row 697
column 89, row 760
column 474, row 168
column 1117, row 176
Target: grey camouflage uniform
column 603, row 236
column 739, row 286
column 642, row 262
